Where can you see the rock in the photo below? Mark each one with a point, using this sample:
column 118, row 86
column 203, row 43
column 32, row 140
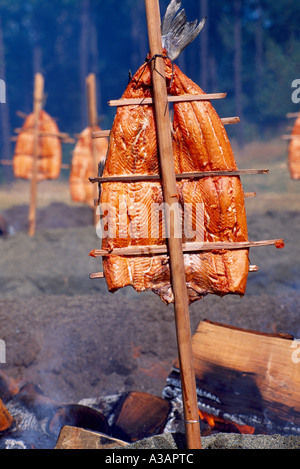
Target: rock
column 219, row 441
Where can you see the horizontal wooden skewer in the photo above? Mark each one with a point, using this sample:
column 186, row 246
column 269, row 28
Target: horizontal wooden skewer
column 6, row 162
column 252, row 268
column 186, row 247
column 97, row 275
column 291, row 137
column 10, row 163
column 292, row 114
column 225, row 121
column 101, row 134
column 68, row 166
column 230, row 120
column 194, row 174
column 44, row 134
column 21, row 114
column 171, row 99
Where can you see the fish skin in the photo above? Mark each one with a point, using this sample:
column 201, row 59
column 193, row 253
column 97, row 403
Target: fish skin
column 200, row 143
column 176, row 32
column 50, row 151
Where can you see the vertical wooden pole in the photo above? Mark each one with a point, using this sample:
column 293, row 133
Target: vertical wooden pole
column 182, row 319
column 93, row 121
column 38, row 95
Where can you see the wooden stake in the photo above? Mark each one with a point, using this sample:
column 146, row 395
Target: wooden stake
column 37, row 106
column 93, row 120
column 182, row 319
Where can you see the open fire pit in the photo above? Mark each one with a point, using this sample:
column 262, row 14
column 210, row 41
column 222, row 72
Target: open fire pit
column 259, row 397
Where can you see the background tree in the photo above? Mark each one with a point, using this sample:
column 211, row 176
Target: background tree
column 248, row 48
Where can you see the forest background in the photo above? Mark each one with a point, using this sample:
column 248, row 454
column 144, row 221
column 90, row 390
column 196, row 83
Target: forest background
column 249, row 49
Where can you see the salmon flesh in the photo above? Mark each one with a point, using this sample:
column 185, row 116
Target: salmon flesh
column 83, row 165
column 211, row 209
column 49, row 149
column 294, row 151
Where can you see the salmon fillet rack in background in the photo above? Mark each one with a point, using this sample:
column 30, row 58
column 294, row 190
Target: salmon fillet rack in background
column 50, row 150
column 200, row 144
column 83, row 165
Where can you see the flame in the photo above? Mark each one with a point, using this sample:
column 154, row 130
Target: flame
column 217, row 422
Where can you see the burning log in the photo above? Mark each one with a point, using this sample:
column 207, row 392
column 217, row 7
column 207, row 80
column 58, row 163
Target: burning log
column 6, row 419
column 142, row 141
column 246, row 379
column 140, row 415
column 78, row 438
column 79, row 416
column 38, row 420
column 133, row 415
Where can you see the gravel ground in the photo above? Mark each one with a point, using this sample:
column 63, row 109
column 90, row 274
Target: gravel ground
column 68, row 334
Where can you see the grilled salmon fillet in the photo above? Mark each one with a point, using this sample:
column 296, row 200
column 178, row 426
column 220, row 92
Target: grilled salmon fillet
column 294, row 152
column 83, row 165
column 132, row 210
column 49, row 149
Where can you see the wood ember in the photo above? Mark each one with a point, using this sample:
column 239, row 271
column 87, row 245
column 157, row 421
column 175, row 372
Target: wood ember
column 38, row 420
column 133, row 415
column 245, row 377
